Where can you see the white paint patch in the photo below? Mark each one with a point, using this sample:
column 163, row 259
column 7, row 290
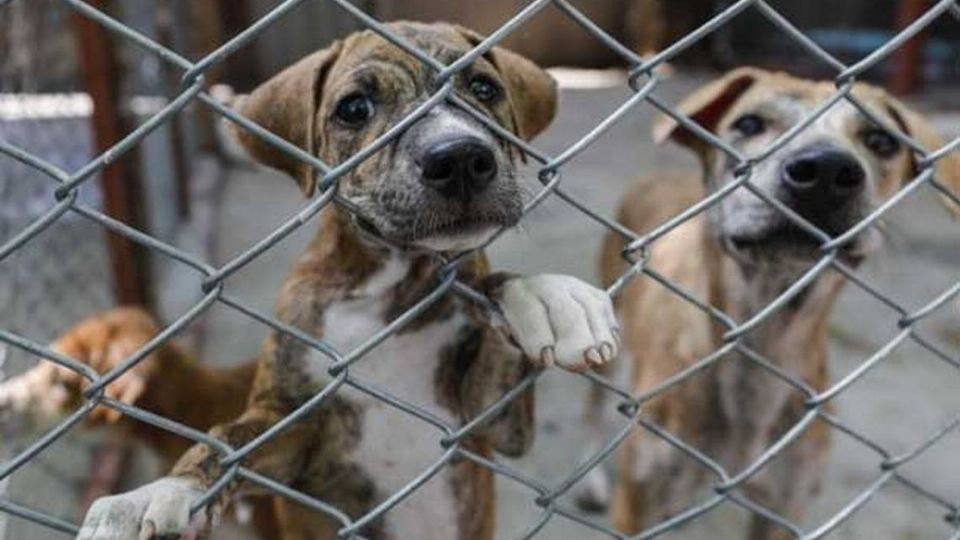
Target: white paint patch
column 396, row 447
column 587, row 79
column 457, row 242
column 38, row 106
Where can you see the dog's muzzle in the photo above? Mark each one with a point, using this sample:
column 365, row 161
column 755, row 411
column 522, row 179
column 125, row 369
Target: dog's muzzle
column 459, row 169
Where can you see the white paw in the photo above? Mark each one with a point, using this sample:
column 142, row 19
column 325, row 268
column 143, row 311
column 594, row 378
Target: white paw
column 16, row 394
column 35, row 394
column 594, row 493
column 160, row 509
column 560, row 320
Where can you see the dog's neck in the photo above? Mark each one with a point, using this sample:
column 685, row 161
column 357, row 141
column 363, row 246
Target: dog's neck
column 340, row 256
column 742, row 289
column 793, row 338
column 341, row 266
column 342, row 263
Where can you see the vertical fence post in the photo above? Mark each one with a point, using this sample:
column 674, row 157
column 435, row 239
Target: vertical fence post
column 122, row 200
column 205, row 36
column 240, row 67
column 165, row 19
column 119, row 180
column 907, row 74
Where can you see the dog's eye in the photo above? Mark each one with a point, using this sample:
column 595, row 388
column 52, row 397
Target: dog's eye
column 484, row 89
column 880, row 142
column 354, row 110
column 750, row 125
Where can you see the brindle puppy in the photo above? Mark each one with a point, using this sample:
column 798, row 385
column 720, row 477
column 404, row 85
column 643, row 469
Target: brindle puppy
column 445, row 184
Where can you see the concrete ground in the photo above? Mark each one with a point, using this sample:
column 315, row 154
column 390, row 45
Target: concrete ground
column 905, row 399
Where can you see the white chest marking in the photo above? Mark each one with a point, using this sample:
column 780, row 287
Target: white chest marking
column 395, row 447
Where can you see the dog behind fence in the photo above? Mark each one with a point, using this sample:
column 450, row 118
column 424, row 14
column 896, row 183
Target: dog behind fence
column 548, row 495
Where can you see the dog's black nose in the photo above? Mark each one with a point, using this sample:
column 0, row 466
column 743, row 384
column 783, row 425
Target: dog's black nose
column 459, row 168
column 823, row 176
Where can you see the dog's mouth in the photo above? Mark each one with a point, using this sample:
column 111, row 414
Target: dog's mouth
column 785, row 235
column 439, row 233
column 787, row 239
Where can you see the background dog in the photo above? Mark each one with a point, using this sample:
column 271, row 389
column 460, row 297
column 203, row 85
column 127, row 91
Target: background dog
column 738, row 256
column 446, row 184
column 168, row 382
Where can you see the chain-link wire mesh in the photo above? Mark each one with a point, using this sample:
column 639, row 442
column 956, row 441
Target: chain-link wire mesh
column 68, row 261
column 65, row 203
column 65, row 272
column 38, row 114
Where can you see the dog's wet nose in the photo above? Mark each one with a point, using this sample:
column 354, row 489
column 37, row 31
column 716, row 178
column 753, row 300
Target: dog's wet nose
column 826, row 176
column 460, row 168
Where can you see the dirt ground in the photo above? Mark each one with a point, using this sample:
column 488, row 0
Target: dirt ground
column 899, row 403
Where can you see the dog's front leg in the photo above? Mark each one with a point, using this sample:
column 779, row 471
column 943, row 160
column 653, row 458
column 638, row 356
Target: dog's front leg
column 497, row 367
column 161, row 509
column 543, row 320
column 557, row 320
column 35, row 394
column 788, row 484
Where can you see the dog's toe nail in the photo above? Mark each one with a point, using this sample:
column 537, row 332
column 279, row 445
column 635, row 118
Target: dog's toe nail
column 548, row 357
column 148, row 530
column 593, row 356
column 606, row 351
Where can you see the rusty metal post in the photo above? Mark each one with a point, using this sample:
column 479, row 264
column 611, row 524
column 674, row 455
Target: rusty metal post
column 907, row 74
column 205, row 36
column 122, row 191
column 108, row 463
column 122, row 199
column 165, row 20
column 240, row 68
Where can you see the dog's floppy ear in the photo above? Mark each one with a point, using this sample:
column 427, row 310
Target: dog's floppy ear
column 918, row 127
column 706, row 106
column 286, row 105
column 531, row 90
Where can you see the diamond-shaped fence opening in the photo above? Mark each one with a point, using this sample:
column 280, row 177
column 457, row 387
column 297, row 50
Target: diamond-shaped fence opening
column 61, row 205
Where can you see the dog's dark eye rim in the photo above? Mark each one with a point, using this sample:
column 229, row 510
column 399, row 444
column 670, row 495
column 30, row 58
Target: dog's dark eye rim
column 484, row 88
column 880, row 142
column 354, row 109
column 750, row 124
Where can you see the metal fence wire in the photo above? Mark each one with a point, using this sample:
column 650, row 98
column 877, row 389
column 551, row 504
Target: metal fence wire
column 644, row 80
column 50, row 271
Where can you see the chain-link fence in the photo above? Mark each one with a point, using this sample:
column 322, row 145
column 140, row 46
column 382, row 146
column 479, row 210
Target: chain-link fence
column 63, row 275
column 32, row 277
column 65, row 203
column 66, row 271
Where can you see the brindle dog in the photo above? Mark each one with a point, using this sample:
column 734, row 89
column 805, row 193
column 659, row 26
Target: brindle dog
column 446, row 184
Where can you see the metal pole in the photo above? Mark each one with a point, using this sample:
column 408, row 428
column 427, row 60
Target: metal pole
column 119, row 180
column 907, row 74
column 122, row 199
